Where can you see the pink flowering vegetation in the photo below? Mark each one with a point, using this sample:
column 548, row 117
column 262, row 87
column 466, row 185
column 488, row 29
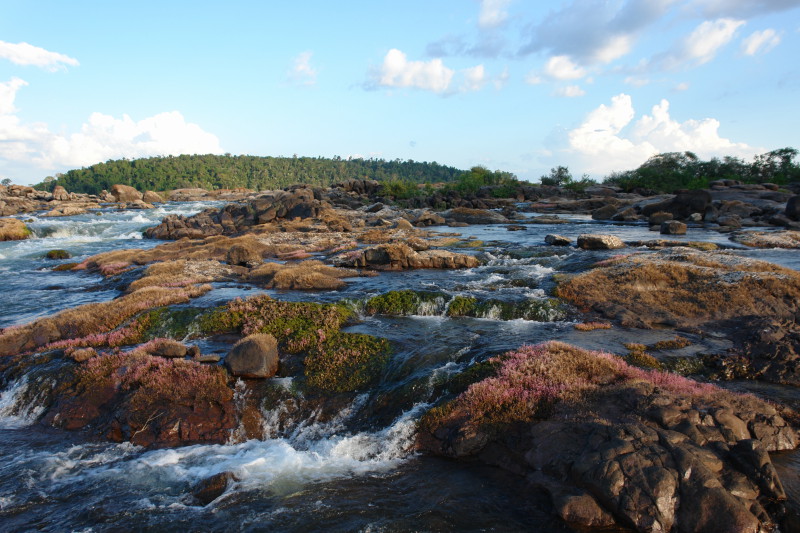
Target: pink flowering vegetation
column 530, row 381
column 113, row 269
column 148, row 381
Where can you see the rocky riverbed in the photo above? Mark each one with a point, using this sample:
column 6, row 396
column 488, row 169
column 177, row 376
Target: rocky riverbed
column 246, row 353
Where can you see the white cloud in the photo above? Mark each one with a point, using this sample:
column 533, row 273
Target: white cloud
column 302, row 73
column 398, row 71
column 474, row 78
column 533, row 78
column 27, row 54
column 502, row 79
column 613, row 48
column 636, row 81
column 563, row 68
column 760, row 42
column 702, row 45
column 570, row 91
column 493, row 13
column 101, row 138
column 602, row 147
column 683, row 86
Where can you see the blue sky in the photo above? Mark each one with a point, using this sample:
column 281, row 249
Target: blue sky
column 514, row 85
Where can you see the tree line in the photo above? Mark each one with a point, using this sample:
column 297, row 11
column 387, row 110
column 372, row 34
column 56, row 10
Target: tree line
column 252, row 172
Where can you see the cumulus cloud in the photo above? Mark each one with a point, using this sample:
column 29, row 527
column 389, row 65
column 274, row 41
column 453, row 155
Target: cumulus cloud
column 609, row 139
column 493, row 13
column 594, row 32
column 27, row 54
column 705, row 41
column 398, row 71
column 570, row 91
column 302, row 73
column 563, row 68
column 760, row 42
column 102, row 137
column 474, row 78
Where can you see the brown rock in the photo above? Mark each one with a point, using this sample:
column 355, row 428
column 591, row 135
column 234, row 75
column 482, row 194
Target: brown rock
column 125, row 193
column 557, row 240
column 60, row 193
column 211, row 488
column 65, row 211
column 12, row 229
column 243, row 254
column 599, row 242
column 255, row 356
column 673, row 227
column 152, row 197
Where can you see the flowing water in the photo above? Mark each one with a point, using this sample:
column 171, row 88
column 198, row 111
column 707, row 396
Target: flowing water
column 353, row 471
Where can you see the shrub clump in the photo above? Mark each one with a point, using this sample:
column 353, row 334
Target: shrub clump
column 528, row 382
column 591, row 326
column 57, row 254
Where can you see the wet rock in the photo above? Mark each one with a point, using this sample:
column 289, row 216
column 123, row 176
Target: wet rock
column 125, row 193
column 557, row 240
column 400, row 256
column 211, row 488
column 57, row 254
column 658, row 218
column 515, row 227
column 12, row 229
column 168, row 348
column 66, row 211
column 255, row 356
column 599, row 242
column 673, row 227
column 429, row 219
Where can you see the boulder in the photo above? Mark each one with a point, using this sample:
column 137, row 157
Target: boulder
column 589, row 241
column 65, row 211
column 401, row 256
column 793, row 208
column 211, row 488
column 60, row 193
column 125, row 193
column 673, row 227
column 470, row 216
column 604, row 213
column 656, row 219
column 557, row 240
column 57, row 254
column 429, row 219
column 152, row 197
column 255, row 356
column 682, row 205
column 167, row 348
column 12, row 229
column 243, row 255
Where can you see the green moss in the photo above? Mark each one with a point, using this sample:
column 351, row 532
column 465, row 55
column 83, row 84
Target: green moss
column 57, row 254
column 346, row 362
column 171, row 323
column 458, row 383
column 462, row 306
column 219, row 320
column 64, row 267
column 399, row 303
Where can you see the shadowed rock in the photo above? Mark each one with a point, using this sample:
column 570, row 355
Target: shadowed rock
column 255, row 356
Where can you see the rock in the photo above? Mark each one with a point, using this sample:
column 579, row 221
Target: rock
column 125, row 193
column 255, row 356
column 12, row 229
column 604, row 213
column 168, row 348
column 66, row 211
column 793, row 208
column 730, row 221
column 682, row 205
column 400, row 256
column 151, row 197
column 57, row 254
column 470, row 216
column 673, row 227
column 243, row 255
column 516, row 227
column 656, row 219
column 60, row 193
column 403, row 224
column 557, row 240
column 588, row 241
column 429, row 219
column 211, row 488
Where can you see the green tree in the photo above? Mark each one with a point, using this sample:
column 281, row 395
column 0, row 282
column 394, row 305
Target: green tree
column 6, row 182
column 559, row 176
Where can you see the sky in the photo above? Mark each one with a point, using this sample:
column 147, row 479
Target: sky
column 513, row 85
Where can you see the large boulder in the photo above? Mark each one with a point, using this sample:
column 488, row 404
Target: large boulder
column 400, row 256
column 467, row 215
column 673, row 227
column 151, row 197
column 589, row 241
column 65, row 211
column 793, row 208
column 125, row 193
column 60, row 193
column 255, row 356
column 682, row 205
column 12, row 229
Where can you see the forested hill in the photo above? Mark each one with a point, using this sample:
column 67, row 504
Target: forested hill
column 252, row 172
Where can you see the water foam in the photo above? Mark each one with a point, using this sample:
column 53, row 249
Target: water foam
column 14, row 411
